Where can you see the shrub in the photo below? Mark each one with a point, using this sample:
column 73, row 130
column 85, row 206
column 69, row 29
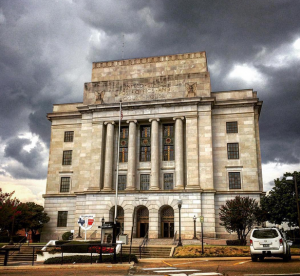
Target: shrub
column 61, row 242
column 87, row 259
column 236, row 242
column 67, row 236
column 6, row 239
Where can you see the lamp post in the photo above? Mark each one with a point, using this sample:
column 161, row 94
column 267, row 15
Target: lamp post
column 296, row 193
column 195, row 237
column 179, row 208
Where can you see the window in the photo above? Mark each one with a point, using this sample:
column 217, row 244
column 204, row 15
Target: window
column 168, row 181
column 234, row 180
column 231, row 127
column 69, row 135
column 233, row 150
column 145, row 142
column 168, row 142
column 145, row 181
column 123, row 156
column 62, row 218
column 67, row 157
column 122, row 182
column 65, row 184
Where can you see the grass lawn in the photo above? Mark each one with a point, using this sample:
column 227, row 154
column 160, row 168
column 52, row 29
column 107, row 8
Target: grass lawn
column 190, row 251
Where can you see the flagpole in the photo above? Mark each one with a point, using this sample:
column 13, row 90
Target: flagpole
column 117, row 176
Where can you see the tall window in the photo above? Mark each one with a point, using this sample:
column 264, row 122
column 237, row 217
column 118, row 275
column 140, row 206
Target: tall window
column 233, row 150
column 62, row 218
column 231, row 127
column 145, row 181
column 67, row 157
column 65, row 184
column 145, row 141
column 168, row 142
column 122, row 182
column 234, row 180
column 168, row 181
column 69, row 135
column 123, row 157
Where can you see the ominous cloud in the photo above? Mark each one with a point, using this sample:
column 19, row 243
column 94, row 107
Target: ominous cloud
column 47, row 48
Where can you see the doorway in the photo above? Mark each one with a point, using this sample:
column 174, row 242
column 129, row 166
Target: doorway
column 167, row 222
column 142, row 221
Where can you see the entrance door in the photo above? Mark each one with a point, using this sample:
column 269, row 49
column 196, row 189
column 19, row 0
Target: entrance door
column 142, row 221
column 167, row 222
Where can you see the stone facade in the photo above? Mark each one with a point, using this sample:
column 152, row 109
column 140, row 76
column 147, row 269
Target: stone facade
column 179, row 140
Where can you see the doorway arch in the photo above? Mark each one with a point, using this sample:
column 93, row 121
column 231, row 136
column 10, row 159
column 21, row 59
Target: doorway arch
column 120, row 217
column 167, row 222
column 142, row 221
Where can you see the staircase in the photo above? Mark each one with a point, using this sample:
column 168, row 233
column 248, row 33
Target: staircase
column 24, row 255
column 149, row 251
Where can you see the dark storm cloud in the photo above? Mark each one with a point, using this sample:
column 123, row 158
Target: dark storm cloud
column 47, row 48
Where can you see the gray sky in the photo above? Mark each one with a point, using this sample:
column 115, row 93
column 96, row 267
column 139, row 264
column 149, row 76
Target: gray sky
column 47, row 49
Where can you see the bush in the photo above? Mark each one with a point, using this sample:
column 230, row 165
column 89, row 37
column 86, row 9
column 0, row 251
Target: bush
column 236, row 242
column 87, row 259
column 61, row 242
column 6, row 239
column 67, row 236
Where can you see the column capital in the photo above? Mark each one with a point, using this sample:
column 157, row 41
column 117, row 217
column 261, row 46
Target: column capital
column 131, row 121
column 109, row 122
column 181, row 118
column 154, row 119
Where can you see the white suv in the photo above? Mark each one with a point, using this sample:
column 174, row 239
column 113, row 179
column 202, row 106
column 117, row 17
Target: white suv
column 269, row 242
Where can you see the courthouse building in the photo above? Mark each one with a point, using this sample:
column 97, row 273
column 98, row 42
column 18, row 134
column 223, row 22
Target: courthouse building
column 178, row 140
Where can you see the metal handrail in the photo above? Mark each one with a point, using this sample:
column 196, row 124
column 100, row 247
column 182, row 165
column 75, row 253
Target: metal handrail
column 143, row 244
column 174, row 239
column 19, row 244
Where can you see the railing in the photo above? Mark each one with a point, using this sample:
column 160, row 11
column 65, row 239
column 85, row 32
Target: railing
column 175, row 238
column 143, row 244
column 19, row 244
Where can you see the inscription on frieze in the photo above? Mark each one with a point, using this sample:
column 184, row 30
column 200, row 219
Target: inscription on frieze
column 143, row 89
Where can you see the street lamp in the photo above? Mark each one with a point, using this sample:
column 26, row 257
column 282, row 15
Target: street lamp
column 195, row 237
column 296, row 193
column 179, row 208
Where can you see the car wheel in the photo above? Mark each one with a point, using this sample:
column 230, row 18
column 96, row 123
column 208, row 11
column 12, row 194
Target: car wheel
column 253, row 258
column 286, row 257
column 261, row 258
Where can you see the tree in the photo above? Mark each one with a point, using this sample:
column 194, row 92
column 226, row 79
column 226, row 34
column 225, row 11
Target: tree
column 34, row 217
column 240, row 215
column 280, row 203
column 9, row 211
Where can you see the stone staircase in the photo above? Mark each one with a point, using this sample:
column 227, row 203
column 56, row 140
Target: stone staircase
column 25, row 255
column 150, row 251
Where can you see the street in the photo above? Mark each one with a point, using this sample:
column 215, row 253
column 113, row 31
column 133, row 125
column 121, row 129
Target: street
column 160, row 267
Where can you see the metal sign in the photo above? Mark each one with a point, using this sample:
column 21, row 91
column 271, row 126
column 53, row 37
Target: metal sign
column 201, row 219
column 86, row 222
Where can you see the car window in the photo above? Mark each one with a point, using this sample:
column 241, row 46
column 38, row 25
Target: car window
column 265, row 234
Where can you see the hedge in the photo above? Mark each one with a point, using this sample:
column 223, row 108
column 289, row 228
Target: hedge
column 6, row 239
column 87, row 259
column 236, row 242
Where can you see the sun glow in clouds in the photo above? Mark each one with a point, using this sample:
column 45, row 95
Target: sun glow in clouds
column 247, row 74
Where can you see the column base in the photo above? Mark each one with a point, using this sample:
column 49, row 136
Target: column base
column 179, row 188
column 192, row 187
column 154, row 189
column 130, row 189
column 106, row 189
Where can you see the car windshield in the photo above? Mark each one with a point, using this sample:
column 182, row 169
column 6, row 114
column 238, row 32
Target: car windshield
column 265, row 234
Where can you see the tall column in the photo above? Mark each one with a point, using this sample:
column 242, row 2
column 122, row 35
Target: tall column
column 179, row 166
column 155, row 161
column 130, row 185
column 109, row 156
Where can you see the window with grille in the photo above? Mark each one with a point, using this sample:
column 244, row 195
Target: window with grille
column 122, row 182
column 168, row 142
column 65, row 184
column 62, row 218
column 123, row 157
column 145, row 142
column 67, row 157
column 145, row 181
column 232, row 127
column 69, row 135
column 233, row 150
column 168, row 181
column 234, row 180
